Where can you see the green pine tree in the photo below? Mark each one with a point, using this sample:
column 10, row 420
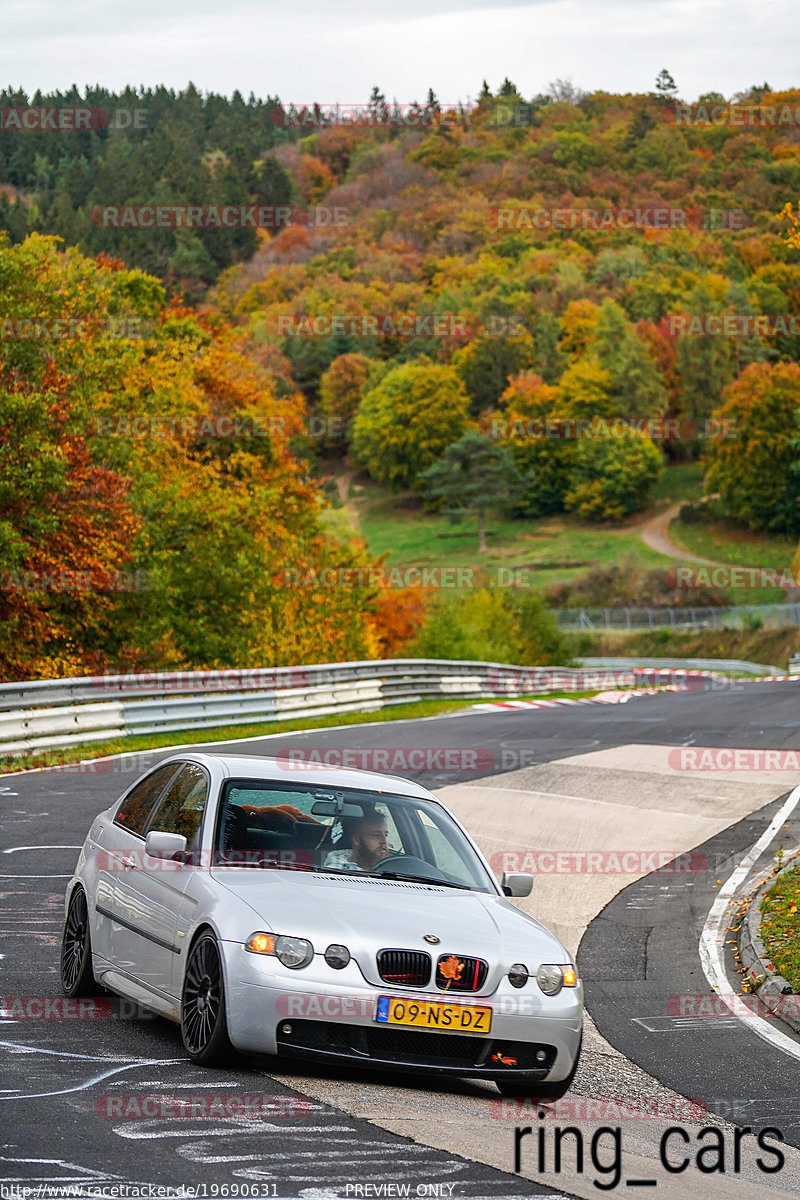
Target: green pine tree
column 472, row 476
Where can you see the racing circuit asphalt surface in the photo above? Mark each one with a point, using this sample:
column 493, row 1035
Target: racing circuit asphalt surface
column 441, row 1139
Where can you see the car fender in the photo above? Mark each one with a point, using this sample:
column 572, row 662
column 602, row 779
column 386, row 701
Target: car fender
column 229, row 918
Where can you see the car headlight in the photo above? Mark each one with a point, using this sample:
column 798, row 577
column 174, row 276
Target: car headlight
column 293, row 952
column 551, row 977
column 518, row 975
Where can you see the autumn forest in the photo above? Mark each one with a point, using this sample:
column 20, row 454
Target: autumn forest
column 526, row 305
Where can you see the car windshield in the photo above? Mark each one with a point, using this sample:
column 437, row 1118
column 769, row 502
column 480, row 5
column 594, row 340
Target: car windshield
column 343, row 831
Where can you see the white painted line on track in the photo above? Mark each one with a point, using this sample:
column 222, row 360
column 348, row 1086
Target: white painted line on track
column 712, row 935
column 24, row 1048
column 233, row 1127
column 660, row 1024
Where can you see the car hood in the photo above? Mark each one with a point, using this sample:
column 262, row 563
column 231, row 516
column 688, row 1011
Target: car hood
column 368, row 914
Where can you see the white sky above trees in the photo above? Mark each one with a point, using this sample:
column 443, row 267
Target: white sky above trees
column 336, row 50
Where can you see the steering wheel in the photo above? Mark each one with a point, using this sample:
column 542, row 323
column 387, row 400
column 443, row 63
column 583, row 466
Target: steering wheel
column 389, row 859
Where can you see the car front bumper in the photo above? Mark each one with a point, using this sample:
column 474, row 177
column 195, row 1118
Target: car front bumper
column 273, row 1010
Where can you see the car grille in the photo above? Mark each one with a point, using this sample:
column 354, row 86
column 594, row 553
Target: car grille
column 404, row 968
column 410, row 1046
column 455, row 974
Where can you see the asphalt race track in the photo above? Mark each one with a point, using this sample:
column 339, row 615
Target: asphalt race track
column 579, row 778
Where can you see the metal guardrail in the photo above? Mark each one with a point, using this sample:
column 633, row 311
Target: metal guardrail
column 736, row 665
column 736, row 616
column 54, row 713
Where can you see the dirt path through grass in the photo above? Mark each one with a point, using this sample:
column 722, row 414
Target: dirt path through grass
column 343, row 484
column 653, row 531
column 655, row 534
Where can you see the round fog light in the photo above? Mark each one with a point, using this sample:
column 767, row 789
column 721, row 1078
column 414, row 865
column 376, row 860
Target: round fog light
column 518, row 975
column 540, row 1055
column 337, row 957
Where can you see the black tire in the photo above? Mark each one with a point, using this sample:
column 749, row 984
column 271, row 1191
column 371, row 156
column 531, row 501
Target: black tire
column 525, row 1090
column 204, row 1026
column 77, row 977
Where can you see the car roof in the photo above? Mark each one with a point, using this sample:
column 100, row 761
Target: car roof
column 264, row 767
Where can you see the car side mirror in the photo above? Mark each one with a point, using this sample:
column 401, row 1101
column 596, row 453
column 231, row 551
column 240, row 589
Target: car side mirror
column 160, row 844
column 514, row 884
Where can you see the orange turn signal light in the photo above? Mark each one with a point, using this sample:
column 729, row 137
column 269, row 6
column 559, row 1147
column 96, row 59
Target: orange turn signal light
column 570, row 976
column 261, row 943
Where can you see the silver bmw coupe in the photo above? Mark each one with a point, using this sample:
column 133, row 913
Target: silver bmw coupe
column 318, row 913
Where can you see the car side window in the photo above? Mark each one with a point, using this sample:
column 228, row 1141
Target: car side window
column 181, row 810
column 444, row 856
column 134, row 810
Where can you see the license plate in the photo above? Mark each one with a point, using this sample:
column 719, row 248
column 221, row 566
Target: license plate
column 431, row 1014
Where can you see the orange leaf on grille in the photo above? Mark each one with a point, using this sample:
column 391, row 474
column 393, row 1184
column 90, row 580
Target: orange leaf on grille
column 451, row 968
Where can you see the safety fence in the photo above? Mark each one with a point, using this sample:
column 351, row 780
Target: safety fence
column 737, row 616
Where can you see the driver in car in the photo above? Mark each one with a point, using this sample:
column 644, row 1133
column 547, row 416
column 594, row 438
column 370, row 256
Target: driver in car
column 369, row 844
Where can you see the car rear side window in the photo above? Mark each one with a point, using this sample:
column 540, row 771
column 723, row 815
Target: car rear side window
column 132, row 814
column 183, row 805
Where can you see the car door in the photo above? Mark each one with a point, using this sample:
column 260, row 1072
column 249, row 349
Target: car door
column 116, row 840
column 148, row 890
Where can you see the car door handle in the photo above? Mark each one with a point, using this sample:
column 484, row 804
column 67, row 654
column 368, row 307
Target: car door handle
column 129, row 863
